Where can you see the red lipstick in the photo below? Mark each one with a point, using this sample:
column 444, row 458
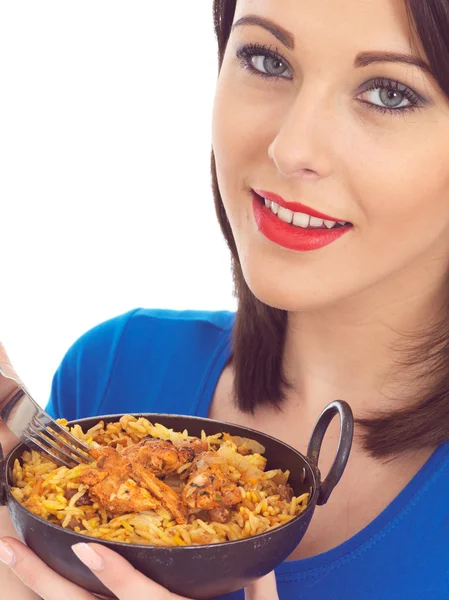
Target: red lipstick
column 291, row 236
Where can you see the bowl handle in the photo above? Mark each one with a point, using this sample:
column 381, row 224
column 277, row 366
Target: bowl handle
column 3, row 496
column 344, row 445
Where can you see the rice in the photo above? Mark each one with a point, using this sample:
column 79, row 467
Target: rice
column 56, row 493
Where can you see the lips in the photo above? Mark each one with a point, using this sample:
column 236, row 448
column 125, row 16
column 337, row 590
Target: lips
column 288, row 235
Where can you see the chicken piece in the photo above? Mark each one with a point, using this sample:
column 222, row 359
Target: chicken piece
column 210, row 488
column 159, row 456
column 107, row 458
column 122, row 485
column 112, row 486
column 197, row 445
column 119, row 495
column 163, row 457
column 168, row 497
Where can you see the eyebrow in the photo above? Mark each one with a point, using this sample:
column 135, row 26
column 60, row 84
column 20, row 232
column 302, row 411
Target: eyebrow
column 284, row 36
column 367, row 58
column 362, row 60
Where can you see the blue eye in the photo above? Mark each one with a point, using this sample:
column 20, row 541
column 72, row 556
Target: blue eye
column 262, row 60
column 391, row 96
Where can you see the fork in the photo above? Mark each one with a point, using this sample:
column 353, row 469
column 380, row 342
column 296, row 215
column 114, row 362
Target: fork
column 24, row 417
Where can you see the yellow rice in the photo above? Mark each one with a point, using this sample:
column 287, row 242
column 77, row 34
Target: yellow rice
column 40, row 486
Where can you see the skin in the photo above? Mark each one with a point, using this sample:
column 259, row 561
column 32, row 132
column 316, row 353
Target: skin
column 314, row 137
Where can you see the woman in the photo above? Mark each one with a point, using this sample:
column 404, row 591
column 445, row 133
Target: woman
column 331, row 178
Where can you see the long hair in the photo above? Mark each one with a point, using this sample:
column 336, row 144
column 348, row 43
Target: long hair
column 260, row 330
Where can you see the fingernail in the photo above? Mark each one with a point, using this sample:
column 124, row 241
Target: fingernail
column 88, row 556
column 7, row 555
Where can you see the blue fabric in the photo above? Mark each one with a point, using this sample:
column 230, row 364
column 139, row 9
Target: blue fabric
column 166, row 361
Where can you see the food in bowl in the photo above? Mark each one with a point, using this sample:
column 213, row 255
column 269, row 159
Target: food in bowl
column 152, row 485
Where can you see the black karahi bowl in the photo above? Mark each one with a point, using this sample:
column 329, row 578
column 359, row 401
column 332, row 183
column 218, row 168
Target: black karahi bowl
column 200, row 572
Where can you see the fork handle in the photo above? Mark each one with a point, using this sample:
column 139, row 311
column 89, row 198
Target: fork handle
column 9, row 386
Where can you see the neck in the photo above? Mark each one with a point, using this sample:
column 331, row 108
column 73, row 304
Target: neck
column 353, row 350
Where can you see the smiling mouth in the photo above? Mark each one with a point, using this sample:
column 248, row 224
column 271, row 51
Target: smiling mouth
column 298, row 219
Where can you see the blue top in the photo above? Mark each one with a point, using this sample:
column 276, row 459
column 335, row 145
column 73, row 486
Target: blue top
column 169, row 362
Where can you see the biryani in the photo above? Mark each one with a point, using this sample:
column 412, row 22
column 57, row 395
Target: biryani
column 151, row 485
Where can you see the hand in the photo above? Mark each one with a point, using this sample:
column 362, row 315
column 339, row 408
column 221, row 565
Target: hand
column 7, row 439
column 10, row 585
column 110, row 568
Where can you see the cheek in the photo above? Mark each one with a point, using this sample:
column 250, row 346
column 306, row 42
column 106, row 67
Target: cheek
column 232, row 148
column 246, row 119
column 241, row 139
column 410, row 197
column 397, row 178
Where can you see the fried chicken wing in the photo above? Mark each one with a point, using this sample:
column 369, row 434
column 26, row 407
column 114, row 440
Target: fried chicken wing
column 210, row 488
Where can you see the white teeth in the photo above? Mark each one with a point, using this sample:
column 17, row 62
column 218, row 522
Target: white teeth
column 285, row 215
column 301, row 220
column 330, row 224
column 314, row 222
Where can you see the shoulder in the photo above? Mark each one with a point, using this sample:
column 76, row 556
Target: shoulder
column 135, row 341
column 151, row 330
column 146, row 326
column 155, row 321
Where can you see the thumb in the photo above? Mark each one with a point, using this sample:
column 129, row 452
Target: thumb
column 263, row 589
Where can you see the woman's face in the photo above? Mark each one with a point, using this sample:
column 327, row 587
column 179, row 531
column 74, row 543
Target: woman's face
column 313, row 106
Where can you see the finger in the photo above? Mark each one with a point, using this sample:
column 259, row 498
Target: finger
column 263, row 589
column 118, row 575
column 37, row 576
column 7, row 439
column 5, row 363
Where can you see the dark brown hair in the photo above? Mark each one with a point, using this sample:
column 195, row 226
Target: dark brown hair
column 259, row 332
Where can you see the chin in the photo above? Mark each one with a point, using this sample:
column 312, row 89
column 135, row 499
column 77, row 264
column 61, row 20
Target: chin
column 276, row 291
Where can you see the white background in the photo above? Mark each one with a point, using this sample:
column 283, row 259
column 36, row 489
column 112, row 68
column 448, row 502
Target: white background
column 105, row 199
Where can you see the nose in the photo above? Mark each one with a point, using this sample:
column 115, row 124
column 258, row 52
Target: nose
column 302, row 148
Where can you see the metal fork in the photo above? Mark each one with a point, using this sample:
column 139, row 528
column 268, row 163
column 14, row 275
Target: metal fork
column 22, row 415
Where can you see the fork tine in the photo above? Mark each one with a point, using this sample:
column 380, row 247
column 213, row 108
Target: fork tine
column 46, row 421
column 39, row 445
column 52, row 440
column 83, row 456
column 40, row 435
column 23, row 416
